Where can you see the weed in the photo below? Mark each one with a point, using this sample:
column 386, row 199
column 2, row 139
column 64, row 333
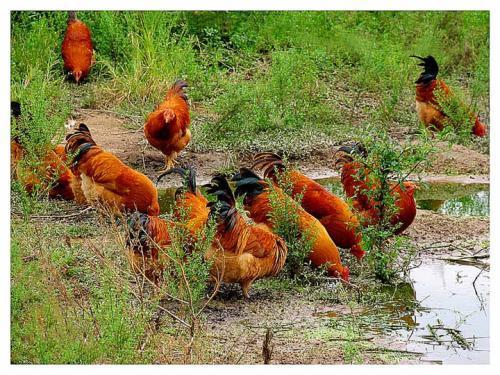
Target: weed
column 285, row 219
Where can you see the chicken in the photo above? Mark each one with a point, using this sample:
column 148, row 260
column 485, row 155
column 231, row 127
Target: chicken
column 191, row 217
column 257, row 201
column 148, row 235
column 77, row 49
column 357, row 181
column 428, row 108
column 247, row 251
column 167, row 128
column 333, row 212
column 51, row 173
column 191, row 205
column 106, row 180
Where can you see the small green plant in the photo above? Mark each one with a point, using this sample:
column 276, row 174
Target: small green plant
column 186, row 275
column 458, row 126
column 285, row 219
column 385, row 168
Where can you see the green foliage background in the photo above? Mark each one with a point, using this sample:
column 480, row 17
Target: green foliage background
column 288, row 80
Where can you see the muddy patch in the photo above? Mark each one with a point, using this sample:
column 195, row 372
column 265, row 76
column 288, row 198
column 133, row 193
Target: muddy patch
column 459, row 159
column 431, row 229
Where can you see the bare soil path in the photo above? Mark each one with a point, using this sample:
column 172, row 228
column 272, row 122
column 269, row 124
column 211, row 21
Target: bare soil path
column 113, row 133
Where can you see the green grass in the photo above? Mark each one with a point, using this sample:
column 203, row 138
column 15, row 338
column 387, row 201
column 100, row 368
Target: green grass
column 290, row 81
column 66, row 305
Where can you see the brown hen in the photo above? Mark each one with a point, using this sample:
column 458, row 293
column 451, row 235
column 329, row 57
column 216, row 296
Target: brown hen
column 167, row 128
column 77, row 50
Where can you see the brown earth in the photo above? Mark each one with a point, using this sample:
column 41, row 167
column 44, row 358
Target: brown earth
column 114, row 134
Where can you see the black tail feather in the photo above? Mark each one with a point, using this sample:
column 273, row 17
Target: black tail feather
column 178, row 89
column 188, row 175
column 355, row 149
column 248, row 183
column 225, row 206
column 431, row 69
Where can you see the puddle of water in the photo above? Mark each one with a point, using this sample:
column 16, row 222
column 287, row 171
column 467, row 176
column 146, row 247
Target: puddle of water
column 447, row 198
column 455, row 199
column 440, row 299
column 448, row 299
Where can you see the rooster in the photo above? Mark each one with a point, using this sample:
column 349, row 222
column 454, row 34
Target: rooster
column 167, row 128
column 106, row 179
column 335, row 215
column 50, row 173
column 148, row 235
column 77, row 49
column 428, row 108
column 256, row 200
column 191, row 205
column 358, row 181
column 247, row 251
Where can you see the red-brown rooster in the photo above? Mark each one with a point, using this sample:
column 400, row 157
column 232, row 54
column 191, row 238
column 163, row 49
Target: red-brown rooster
column 257, row 202
column 358, row 181
column 77, row 49
column 190, row 204
column 247, row 251
column 106, row 179
column 428, row 108
column 333, row 212
column 167, row 128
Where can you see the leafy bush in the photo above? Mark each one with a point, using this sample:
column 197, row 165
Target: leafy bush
column 388, row 162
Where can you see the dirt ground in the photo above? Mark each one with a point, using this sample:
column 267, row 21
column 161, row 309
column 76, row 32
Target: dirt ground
column 113, row 134
column 303, row 332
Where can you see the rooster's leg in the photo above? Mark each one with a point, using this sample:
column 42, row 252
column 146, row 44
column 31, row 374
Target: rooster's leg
column 245, row 288
column 169, row 164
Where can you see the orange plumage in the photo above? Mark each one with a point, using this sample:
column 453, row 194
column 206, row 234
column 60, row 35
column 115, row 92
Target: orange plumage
column 247, row 251
column 190, row 204
column 148, row 235
column 106, row 179
column 333, row 212
column 77, row 49
column 256, row 201
column 357, row 182
column 167, row 128
column 428, row 109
